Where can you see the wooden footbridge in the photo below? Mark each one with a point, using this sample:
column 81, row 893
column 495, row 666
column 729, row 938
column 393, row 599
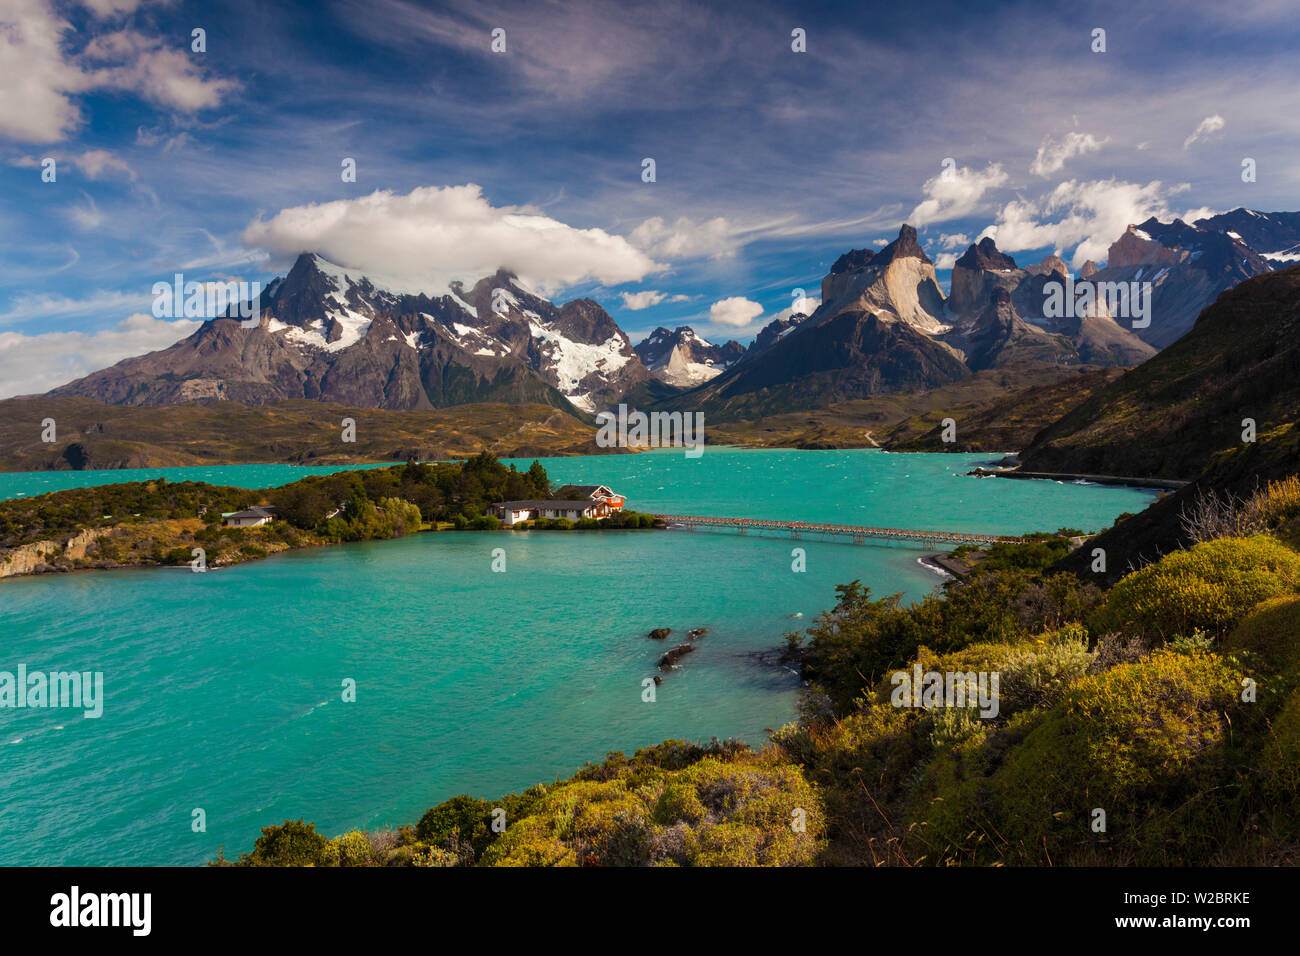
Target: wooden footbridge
column 857, row 532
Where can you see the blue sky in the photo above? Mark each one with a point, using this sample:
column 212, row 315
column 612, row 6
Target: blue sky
column 769, row 163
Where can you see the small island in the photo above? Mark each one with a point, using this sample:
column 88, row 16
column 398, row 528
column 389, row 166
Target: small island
column 160, row 523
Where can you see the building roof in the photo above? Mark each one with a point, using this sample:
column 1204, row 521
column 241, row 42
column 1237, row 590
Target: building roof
column 581, row 491
column 584, row 492
column 555, row 504
column 257, row 511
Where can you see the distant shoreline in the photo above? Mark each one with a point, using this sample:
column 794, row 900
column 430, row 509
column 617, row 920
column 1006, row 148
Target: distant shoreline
column 1164, row 484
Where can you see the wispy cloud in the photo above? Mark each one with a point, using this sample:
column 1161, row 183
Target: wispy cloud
column 1205, row 129
column 1054, row 154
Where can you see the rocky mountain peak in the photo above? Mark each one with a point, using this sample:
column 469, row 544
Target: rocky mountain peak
column 906, row 246
column 980, row 270
column 684, row 359
column 1137, row 246
column 852, row 261
column 1051, row 265
column 897, row 283
column 985, row 255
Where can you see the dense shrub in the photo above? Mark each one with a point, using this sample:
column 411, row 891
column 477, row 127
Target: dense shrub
column 749, row 811
column 1145, row 742
column 854, row 646
column 1039, row 673
column 459, row 821
column 351, row 849
column 1208, row 588
column 1268, row 639
column 292, row 843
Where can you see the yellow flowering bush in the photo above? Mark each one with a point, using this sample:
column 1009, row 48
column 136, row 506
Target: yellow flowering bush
column 1209, row 587
column 1143, row 742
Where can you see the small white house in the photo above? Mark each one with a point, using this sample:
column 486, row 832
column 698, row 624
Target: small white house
column 512, row 512
column 250, row 517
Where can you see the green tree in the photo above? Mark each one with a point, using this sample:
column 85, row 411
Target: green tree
column 292, row 843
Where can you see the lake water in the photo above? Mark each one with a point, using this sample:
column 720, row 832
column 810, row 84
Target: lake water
column 223, row 690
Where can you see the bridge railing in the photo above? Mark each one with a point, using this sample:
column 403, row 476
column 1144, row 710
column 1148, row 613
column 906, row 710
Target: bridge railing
column 814, row 527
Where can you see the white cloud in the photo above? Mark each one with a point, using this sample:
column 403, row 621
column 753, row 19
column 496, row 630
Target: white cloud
column 49, row 306
column 36, row 363
column 86, row 215
column 163, row 75
column 736, row 311
column 956, row 240
column 35, row 79
column 96, row 162
column 1205, row 129
column 684, row 238
column 945, row 260
column 1204, row 212
column 635, row 301
column 433, row 235
column 1052, row 155
column 38, row 79
column 956, row 193
column 1089, row 214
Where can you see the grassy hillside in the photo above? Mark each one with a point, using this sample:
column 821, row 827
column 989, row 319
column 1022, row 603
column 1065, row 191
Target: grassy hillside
column 1231, row 478
column 1166, row 417
column 997, row 409
column 94, row 435
column 1006, row 423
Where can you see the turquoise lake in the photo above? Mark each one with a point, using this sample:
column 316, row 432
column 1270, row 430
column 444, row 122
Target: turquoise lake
column 223, row 691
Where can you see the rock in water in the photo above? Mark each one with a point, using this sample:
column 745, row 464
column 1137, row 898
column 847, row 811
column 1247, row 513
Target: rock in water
column 659, row 633
column 672, row 657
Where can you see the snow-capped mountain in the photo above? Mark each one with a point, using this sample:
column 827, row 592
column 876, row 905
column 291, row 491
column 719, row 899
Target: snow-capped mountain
column 1274, row 235
column 331, row 333
column 1187, row 266
column 683, row 358
column 885, row 326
